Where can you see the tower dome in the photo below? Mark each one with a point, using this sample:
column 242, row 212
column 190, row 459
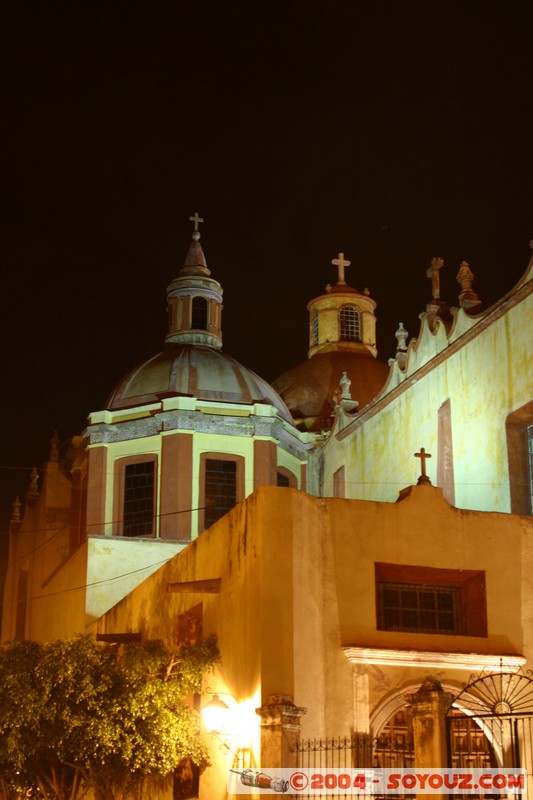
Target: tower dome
column 342, row 338
column 192, row 363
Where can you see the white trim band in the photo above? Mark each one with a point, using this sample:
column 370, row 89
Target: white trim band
column 430, row 659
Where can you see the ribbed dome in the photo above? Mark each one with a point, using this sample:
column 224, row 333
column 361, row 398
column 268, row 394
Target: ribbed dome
column 308, row 388
column 194, row 371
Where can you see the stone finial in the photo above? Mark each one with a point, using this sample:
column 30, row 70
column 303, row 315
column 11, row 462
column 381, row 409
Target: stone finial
column 342, row 397
column 54, row 447
column 465, row 277
column 345, row 384
column 422, row 455
column 401, row 347
column 401, row 337
column 33, row 490
column 15, row 515
column 433, row 273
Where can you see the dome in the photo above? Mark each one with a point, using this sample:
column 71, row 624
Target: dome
column 194, row 371
column 308, row 388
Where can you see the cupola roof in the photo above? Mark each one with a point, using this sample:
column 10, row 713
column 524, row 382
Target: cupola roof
column 192, row 363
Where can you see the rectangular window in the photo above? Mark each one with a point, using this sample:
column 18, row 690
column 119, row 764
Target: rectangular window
column 419, row 608
column 417, row 599
column 139, row 499
column 220, row 488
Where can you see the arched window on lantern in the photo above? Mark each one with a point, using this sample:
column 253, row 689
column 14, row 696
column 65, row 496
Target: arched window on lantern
column 199, row 314
column 349, row 324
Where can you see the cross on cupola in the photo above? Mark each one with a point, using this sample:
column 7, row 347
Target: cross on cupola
column 422, row 455
column 341, row 262
column 196, row 219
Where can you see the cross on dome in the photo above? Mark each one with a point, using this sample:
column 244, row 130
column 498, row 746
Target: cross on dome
column 341, row 262
column 196, row 219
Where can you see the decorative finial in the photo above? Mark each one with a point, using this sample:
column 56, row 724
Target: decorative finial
column 33, row 490
column 401, row 337
column 341, row 262
column 54, row 450
column 467, row 296
column 196, row 219
column 15, row 516
column 433, row 273
column 422, row 455
column 342, row 397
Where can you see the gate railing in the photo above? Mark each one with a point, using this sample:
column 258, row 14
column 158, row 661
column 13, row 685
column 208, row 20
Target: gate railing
column 358, row 751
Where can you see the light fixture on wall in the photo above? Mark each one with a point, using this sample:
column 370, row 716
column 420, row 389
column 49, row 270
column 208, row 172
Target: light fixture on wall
column 223, row 723
column 215, row 713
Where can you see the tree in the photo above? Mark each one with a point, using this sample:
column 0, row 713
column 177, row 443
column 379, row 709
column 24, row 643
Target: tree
column 76, row 714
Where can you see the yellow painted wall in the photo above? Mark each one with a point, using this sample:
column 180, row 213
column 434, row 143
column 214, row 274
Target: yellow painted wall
column 487, row 379
column 298, row 585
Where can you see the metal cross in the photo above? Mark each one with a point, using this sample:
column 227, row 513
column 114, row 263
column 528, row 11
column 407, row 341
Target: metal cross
column 341, row 262
column 422, row 455
column 196, row 219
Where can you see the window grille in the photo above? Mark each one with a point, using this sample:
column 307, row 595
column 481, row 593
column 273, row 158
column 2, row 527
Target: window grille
column 220, row 488
column 350, row 324
column 418, row 608
column 314, row 335
column 139, row 499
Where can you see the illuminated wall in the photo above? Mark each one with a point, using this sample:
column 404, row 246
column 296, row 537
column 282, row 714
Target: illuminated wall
column 481, row 371
column 295, row 612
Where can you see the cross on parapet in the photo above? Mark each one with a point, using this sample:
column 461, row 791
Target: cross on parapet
column 341, row 262
column 196, row 219
column 433, row 273
column 422, row 455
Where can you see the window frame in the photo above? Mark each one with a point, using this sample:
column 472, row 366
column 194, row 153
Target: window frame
column 239, row 480
column 470, row 586
column 203, row 312
column 346, row 325
column 288, row 475
column 120, row 491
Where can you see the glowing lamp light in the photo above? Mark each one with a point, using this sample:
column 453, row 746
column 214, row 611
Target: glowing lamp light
column 215, row 715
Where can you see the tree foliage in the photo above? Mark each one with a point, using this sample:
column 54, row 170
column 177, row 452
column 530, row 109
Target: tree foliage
column 76, row 714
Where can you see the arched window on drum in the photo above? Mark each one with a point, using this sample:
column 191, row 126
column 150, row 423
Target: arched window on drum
column 199, row 314
column 349, row 324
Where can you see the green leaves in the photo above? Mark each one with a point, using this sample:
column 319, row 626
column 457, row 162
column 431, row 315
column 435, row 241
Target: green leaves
column 76, row 713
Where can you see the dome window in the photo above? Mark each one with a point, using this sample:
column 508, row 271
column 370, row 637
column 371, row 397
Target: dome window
column 314, row 330
column 349, row 324
column 199, row 314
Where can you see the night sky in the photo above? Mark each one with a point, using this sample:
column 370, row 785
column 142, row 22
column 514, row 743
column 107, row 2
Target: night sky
column 393, row 131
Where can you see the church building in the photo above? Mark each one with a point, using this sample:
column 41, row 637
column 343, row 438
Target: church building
column 359, row 536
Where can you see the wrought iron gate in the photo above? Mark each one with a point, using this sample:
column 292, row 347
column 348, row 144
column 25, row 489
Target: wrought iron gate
column 490, row 723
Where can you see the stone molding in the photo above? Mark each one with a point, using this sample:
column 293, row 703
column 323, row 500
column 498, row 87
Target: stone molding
column 430, row 659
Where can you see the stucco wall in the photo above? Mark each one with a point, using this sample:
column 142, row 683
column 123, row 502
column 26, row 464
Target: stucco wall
column 485, row 380
column 298, row 585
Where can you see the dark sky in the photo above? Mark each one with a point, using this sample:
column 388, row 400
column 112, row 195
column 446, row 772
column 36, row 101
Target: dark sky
column 394, row 131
